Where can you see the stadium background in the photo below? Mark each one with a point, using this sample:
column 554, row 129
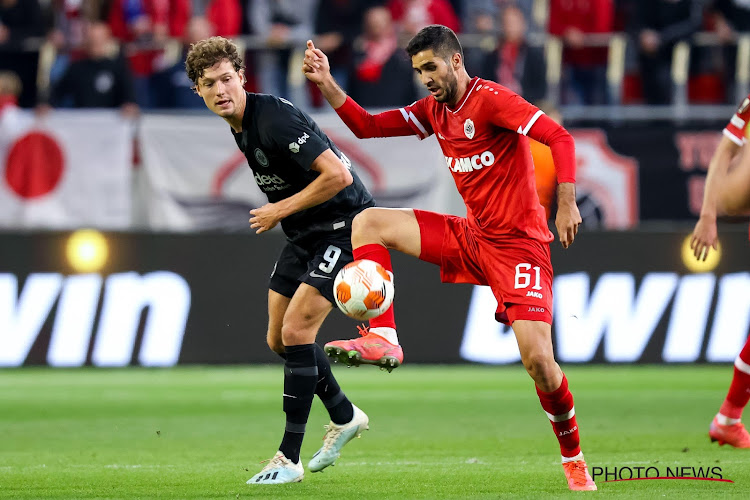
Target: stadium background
column 124, row 239
column 163, row 177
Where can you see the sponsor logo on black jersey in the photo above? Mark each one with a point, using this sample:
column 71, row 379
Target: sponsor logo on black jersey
column 270, row 182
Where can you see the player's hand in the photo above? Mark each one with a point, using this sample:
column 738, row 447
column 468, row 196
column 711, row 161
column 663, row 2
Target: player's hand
column 705, row 237
column 315, row 65
column 567, row 221
column 265, row 217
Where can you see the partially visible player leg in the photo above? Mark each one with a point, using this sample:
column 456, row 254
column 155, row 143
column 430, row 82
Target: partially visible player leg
column 374, row 232
column 302, row 319
column 535, row 343
column 277, row 306
column 385, row 324
column 328, row 390
column 347, row 421
column 726, row 427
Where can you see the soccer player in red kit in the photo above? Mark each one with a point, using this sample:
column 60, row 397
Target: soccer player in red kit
column 728, row 192
column 503, row 241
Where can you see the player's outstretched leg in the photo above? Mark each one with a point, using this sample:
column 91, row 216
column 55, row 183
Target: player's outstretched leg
column 378, row 345
column 726, row 427
column 372, row 229
column 535, row 343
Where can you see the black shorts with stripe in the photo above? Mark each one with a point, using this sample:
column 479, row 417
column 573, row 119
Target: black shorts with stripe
column 317, row 265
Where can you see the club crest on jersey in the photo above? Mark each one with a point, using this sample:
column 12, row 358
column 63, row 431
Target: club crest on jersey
column 469, row 128
column 260, row 157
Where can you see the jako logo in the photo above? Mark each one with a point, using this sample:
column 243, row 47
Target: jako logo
column 476, row 162
column 531, row 293
column 164, row 295
column 623, row 318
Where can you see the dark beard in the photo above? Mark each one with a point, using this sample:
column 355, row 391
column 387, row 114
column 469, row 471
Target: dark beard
column 451, row 88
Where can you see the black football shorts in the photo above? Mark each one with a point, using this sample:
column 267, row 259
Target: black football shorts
column 316, row 266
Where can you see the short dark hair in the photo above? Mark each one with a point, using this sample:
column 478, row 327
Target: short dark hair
column 205, row 53
column 441, row 39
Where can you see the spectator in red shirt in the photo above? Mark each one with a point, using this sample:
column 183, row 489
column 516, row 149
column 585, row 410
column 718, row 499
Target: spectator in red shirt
column 413, row 15
column 585, row 67
column 225, row 16
column 139, row 20
column 514, row 63
column 382, row 73
column 338, row 23
column 148, row 24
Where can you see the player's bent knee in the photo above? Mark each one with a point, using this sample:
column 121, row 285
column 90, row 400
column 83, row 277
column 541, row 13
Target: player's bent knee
column 291, row 335
column 275, row 344
column 540, row 366
column 368, row 221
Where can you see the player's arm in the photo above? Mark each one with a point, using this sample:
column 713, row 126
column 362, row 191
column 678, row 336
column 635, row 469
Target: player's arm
column 364, row 125
column 334, row 177
column 512, row 112
column 734, row 190
column 562, row 146
column 705, row 234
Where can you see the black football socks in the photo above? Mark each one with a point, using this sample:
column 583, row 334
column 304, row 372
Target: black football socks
column 300, row 379
column 328, row 390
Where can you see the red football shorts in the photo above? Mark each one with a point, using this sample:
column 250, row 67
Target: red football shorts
column 518, row 270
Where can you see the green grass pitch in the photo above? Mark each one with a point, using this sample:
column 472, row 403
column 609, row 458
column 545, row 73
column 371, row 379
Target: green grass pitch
column 459, row 432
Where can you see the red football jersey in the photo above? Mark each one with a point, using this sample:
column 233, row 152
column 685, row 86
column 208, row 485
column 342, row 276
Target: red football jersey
column 486, row 149
column 735, row 129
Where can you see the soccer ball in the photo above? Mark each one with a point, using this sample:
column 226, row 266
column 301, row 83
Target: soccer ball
column 363, row 289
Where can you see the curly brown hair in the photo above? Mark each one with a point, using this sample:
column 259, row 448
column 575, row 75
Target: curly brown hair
column 205, row 53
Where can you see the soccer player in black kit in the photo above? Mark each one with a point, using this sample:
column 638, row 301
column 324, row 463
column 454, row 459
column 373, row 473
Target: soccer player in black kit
column 314, row 194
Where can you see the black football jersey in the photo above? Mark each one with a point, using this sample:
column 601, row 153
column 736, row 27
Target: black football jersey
column 280, row 143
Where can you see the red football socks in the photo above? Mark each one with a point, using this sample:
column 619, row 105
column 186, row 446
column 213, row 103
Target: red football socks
column 379, row 254
column 739, row 390
column 558, row 405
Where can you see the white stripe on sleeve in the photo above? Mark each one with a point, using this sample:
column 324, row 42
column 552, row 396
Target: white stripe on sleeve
column 410, row 116
column 525, row 130
column 734, row 138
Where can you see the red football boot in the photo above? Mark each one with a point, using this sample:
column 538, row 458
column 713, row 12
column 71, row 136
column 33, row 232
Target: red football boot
column 578, row 477
column 734, row 435
column 370, row 348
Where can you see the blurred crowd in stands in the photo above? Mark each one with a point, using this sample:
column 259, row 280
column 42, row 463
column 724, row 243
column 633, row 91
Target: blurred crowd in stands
column 129, row 53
